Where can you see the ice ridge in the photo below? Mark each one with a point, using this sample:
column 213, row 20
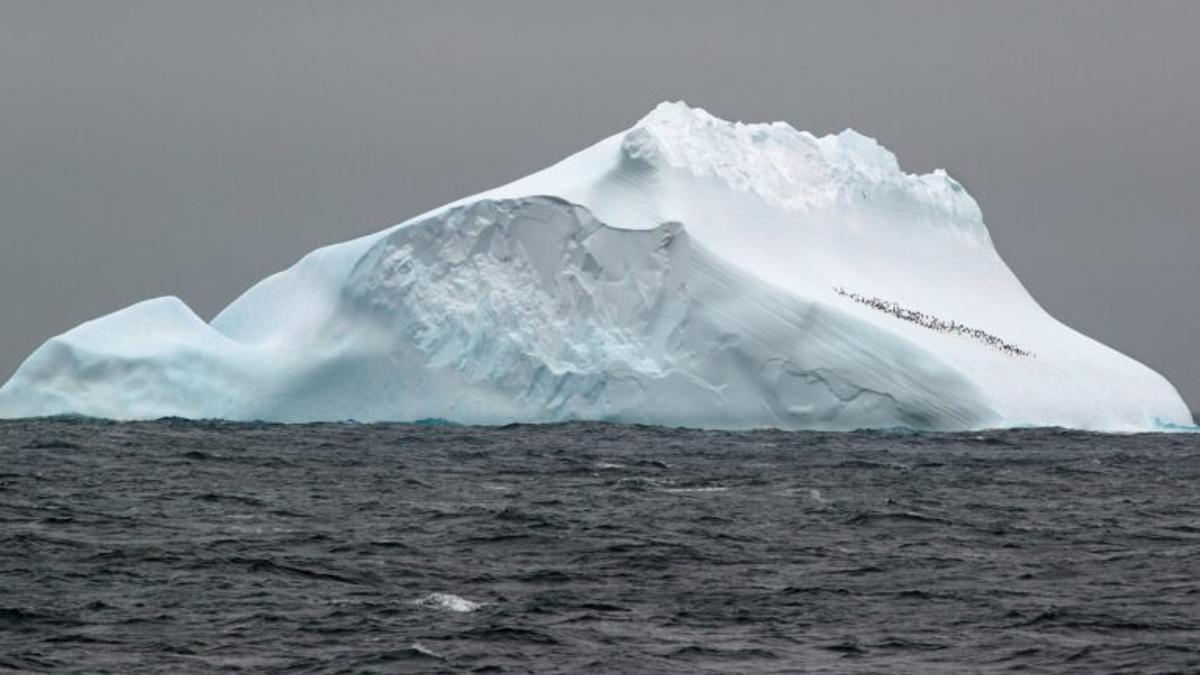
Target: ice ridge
column 795, row 169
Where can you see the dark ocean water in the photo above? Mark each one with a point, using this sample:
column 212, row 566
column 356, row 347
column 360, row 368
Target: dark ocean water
column 188, row 547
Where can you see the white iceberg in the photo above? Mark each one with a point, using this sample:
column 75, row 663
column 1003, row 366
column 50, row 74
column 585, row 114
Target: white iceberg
column 688, row 271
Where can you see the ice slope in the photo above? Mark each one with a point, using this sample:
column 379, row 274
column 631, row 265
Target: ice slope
column 687, row 271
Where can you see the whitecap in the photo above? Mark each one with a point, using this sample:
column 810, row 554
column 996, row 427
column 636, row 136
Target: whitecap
column 449, row 602
column 697, row 489
column 422, row 649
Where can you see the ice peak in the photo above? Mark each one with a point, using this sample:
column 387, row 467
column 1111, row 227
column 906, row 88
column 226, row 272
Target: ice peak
column 862, row 151
column 676, row 124
column 678, row 113
column 795, row 169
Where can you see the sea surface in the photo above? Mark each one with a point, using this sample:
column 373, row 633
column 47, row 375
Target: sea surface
column 208, row 547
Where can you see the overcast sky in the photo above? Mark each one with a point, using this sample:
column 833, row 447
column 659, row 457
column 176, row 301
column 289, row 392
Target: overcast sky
column 191, row 148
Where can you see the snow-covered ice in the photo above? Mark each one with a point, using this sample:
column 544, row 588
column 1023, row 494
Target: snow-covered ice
column 687, row 271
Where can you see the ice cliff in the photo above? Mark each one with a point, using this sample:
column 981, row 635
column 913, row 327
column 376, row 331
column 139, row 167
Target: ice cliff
column 688, row 271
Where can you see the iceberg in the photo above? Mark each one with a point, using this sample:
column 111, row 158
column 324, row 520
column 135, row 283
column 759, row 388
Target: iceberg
column 688, row 271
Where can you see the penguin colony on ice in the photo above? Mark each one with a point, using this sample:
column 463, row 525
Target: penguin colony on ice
column 933, row 322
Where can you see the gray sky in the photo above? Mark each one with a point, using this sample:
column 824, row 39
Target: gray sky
column 191, row 148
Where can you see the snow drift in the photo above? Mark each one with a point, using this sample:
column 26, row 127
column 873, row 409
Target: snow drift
column 688, row 271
